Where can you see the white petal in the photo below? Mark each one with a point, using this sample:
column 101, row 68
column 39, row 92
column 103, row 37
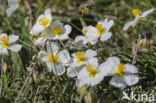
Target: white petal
column 40, row 41
column 106, row 69
column 41, row 54
column 36, row 29
column 3, row 51
column 90, row 53
column 13, row 38
column 64, row 56
column 15, row 48
column 103, row 22
column 45, row 59
column 130, row 68
column 93, row 61
column 50, row 66
column 59, row 69
column 97, row 79
column 127, row 25
column 109, row 24
column 68, row 29
column 11, row 9
column 3, row 34
column 92, row 35
column 114, row 61
column 118, row 82
column 71, row 72
column 105, row 36
column 47, row 13
column 52, row 46
column 61, row 37
column 147, row 12
column 80, row 78
column 80, row 40
column 131, row 79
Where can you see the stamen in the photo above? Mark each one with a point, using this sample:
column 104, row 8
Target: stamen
column 5, row 41
column 100, row 30
column 135, row 12
column 44, row 21
column 91, row 70
column 50, row 57
column 57, row 31
column 80, row 57
column 119, row 72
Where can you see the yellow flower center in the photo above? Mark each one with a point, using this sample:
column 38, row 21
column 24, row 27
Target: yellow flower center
column 100, row 30
column 44, row 21
column 52, row 58
column 119, row 72
column 142, row 18
column 91, row 70
column 57, row 31
column 135, row 12
column 38, row 35
column 85, row 31
column 44, row 36
column 5, row 41
column 80, row 57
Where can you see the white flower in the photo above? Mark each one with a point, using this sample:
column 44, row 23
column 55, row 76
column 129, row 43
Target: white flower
column 90, row 36
column 58, row 31
column 123, row 74
column 41, row 39
column 79, row 60
column 103, row 27
column 42, row 23
column 138, row 18
column 91, row 74
column 13, row 5
column 6, row 43
column 55, row 60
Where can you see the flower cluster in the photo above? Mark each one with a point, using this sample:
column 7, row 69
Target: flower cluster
column 46, row 29
column 83, row 65
column 92, row 34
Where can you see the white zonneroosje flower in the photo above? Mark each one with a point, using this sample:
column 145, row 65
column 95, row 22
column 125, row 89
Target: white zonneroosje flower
column 79, row 61
column 90, row 36
column 103, row 27
column 58, row 31
column 6, row 43
column 42, row 23
column 40, row 39
column 55, row 60
column 13, row 5
column 138, row 18
column 123, row 74
column 91, row 74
